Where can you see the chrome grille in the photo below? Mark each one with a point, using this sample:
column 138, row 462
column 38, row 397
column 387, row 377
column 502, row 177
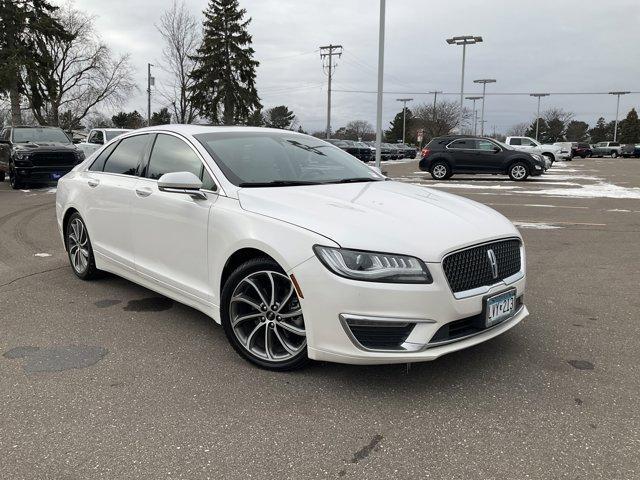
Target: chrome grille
column 472, row 268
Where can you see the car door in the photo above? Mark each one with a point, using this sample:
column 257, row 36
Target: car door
column 170, row 230
column 111, row 180
column 464, row 155
column 490, row 156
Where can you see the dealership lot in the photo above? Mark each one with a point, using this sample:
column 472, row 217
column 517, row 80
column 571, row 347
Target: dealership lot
column 109, row 380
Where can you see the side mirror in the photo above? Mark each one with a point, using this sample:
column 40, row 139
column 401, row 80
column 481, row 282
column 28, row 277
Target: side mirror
column 181, row 182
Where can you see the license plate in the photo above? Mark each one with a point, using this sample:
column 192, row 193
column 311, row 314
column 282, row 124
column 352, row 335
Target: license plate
column 500, row 307
column 56, row 176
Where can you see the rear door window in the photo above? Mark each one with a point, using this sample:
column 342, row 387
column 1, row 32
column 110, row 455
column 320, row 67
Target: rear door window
column 127, row 156
column 463, row 144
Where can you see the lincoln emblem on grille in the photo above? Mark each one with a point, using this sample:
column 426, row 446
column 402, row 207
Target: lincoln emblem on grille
column 493, row 262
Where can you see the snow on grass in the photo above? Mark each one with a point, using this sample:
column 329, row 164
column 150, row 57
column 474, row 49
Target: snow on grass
column 536, row 226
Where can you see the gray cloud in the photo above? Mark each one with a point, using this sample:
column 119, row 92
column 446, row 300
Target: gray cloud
column 546, row 45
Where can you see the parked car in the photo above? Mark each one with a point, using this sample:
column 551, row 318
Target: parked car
column 528, row 144
column 299, row 250
column 445, row 156
column 395, row 152
column 36, row 154
column 566, row 150
column 630, row 150
column 407, row 151
column 602, row 149
column 385, row 151
column 581, row 149
column 98, row 137
column 363, row 151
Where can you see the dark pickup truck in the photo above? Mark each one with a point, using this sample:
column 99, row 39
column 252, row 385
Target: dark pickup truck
column 36, row 155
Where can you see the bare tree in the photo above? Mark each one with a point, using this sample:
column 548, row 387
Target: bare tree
column 361, row 129
column 518, row 130
column 443, row 120
column 84, row 74
column 181, row 32
column 97, row 119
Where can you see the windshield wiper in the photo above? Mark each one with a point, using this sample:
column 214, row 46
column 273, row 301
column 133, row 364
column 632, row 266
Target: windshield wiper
column 356, row 180
column 277, row 183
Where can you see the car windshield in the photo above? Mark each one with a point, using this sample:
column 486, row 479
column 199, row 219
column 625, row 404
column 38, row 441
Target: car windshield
column 38, row 135
column 111, row 134
column 268, row 159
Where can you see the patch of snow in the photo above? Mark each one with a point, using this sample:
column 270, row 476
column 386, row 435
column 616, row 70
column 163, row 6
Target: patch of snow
column 473, row 187
column 536, row 226
column 52, row 190
column 601, row 190
column 618, row 210
column 42, row 255
column 26, row 191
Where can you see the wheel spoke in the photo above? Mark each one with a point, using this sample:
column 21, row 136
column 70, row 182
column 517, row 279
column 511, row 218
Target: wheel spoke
column 267, row 342
column 293, row 314
column 298, row 331
column 253, row 334
column 260, row 294
column 244, row 318
column 273, row 289
column 286, row 299
column 243, row 299
column 283, row 342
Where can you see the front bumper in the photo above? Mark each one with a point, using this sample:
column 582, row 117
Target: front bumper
column 42, row 174
column 328, row 299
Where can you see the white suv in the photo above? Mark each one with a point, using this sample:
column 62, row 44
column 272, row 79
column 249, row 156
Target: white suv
column 528, row 144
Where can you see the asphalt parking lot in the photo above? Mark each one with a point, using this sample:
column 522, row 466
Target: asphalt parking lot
column 109, row 380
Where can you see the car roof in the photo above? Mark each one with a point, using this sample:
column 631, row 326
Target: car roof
column 197, row 129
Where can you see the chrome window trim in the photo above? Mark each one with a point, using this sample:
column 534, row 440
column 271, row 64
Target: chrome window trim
column 486, row 288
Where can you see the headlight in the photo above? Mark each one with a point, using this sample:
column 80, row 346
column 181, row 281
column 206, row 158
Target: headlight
column 22, row 155
column 373, row 266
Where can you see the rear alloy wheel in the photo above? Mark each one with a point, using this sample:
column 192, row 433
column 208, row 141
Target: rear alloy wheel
column 519, row 171
column 262, row 316
column 440, row 171
column 79, row 249
column 14, row 179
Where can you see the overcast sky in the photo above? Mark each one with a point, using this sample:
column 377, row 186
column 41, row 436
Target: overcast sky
column 529, row 46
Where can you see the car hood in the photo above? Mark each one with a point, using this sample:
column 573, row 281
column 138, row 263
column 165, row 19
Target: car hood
column 385, row 216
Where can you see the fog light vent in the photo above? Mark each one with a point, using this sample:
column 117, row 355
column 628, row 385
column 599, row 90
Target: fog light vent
column 378, row 334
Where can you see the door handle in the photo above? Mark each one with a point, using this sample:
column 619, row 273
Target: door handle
column 93, row 183
column 143, row 192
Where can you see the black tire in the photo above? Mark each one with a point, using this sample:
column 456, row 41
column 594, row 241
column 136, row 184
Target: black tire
column 2, row 175
column 550, row 157
column 258, row 266
column 614, row 154
column 518, row 171
column 14, row 179
column 84, row 270
column 440, row 170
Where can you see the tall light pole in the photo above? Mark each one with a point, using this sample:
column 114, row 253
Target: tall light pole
column 404, row 115
column 326, row 54
column 380, row 82
column 484, row 82
column 615, row 130
column 463, row 40
column 150, row 82
column 538, row 96
column 475, row 114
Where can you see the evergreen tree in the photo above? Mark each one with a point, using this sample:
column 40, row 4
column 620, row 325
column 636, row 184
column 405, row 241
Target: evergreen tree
column 542, row 129
column 26, row 26
column 279, row 117
column 224, row 87
column 163, row 117
column 577, row 131
column 256, row 119
column 394, row 134
column 128, row 120
column 629, row 128
column 600, row 133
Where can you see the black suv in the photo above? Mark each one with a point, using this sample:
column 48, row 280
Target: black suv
column 444, row 156
column 36, row 154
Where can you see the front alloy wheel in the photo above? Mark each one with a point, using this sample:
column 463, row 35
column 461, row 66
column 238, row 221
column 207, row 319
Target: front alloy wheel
column 263, row 317
column 79, row 249
column 440, row 171
column 518, row 171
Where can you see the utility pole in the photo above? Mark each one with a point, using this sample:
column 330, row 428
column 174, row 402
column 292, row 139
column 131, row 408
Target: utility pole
column 326, row 54
column 404, row 115
column 484, row 82
column 150, row 81
column 435, row 101
column 380, row 83
column 475, row 114
column 538, row 96
column 463, row 40
column 615, row 130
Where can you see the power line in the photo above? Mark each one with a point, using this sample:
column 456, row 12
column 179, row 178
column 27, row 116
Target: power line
column 488, row 94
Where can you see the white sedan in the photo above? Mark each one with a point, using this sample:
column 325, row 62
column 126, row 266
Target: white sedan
column 297, row 248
